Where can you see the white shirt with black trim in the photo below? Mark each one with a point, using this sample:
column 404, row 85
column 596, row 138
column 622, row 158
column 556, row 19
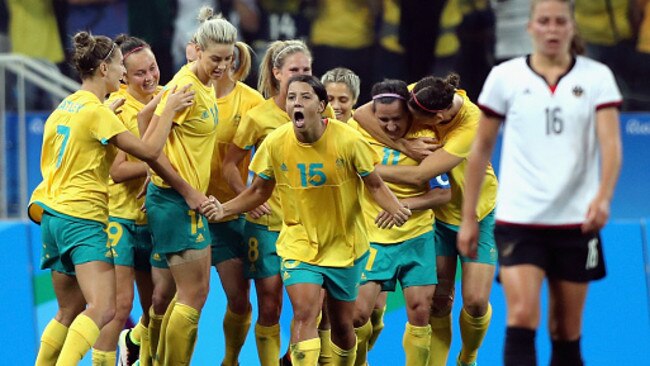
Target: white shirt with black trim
column 549, row 170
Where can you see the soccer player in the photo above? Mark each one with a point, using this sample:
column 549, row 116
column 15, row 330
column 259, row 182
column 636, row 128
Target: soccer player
column 318, row 166
column 437, row 104
column 180, row 234
column 71, row 203
column 128, row 232
column 559, row 164
column 405, row 254
column 342, row 91
column 234, row 100
column 282, row 60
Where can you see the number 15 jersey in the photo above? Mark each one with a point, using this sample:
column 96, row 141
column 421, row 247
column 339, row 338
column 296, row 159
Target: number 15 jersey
column 550, row 154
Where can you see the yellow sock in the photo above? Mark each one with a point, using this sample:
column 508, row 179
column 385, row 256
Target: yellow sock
column 344, row 357
column 472, row 331
column 160, row 349
column 305, row 353
column 145, row 347
column 363, row 334
column 268, row 344
column 377, row 321
column 440, row 340
column 51, row 343
column 104, row 358
column 417, row 344
column 155, row 322
column 235, row 329
column 83, row 333
column 180, row 336
column 136, row 333
column 325, row 357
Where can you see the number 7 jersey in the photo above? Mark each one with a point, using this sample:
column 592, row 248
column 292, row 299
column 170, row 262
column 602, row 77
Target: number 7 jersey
column 550, row 154
column 76, row 158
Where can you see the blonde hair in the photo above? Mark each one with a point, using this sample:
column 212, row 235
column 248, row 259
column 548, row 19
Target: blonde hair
column 345, row 76
column 216, row 29
column 275, row 56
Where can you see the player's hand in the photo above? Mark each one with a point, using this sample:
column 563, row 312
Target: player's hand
column 384, row 220
column 421, row 147
column 259, row 211
column 401, row 216
column 212, row 209
column 467, row 239
column 180, row 99
column 597, row 215
column 115, row 106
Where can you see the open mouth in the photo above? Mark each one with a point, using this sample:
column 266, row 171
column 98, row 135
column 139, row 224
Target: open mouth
column 298, row 119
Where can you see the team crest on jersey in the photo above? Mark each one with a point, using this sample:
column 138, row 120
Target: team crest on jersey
column 578, row 91
column 340, row 163
column 236, row 119
column 284, row 168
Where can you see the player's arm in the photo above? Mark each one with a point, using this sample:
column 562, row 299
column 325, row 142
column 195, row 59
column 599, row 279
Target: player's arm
column 385, row 198
column 433, row 198
column 609, row 139
column 123, row 170
column 257, row 193
column 150, row 147
column 439, row 162
column 233, row 157
column 486, row 136
column 146, row 114
column 417, row 148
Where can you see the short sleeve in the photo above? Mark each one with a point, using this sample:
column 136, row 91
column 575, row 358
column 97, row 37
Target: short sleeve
column 364, row 158
column 607, row 92
column 181, row 116
column 459, row 141
column 492, row 99
column 247, row 133
column 104, row 124
column 262, row 163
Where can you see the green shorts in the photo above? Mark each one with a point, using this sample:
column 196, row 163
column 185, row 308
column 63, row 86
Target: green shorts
column 174, row 226
column 411, row 262
column 341, row 283
column 260, row 256
column 131, row 243
column 69, row 241
column 446, row 241
column 227, row 240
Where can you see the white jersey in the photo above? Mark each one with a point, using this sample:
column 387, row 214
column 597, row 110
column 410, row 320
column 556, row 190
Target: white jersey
column 549, row 170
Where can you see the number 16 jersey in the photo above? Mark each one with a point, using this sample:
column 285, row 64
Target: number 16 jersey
column 550, row 154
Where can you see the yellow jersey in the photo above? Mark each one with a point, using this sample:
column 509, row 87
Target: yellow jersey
column 122, row 202
column 191, row 140
column 604, row 23
column 76, row 159
column 319, row 189
column 457, row 137
column 421, row 221
column 232, row 108
column 255, row 126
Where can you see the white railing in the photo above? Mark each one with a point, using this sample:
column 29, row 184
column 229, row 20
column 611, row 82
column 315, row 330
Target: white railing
column 43, row 75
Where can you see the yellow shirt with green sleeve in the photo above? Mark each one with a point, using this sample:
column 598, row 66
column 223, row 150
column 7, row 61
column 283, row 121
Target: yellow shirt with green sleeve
column 191, row 140
column 319, row 186
column 76, row 158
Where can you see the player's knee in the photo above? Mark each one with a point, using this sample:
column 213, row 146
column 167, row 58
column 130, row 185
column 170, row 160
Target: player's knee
column 522, row 315
column 441, row 304
column 475, row 305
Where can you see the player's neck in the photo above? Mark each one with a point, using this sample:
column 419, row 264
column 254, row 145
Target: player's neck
column 97, row 88
column 313, row 132
column 224, row 86
column 541, row 62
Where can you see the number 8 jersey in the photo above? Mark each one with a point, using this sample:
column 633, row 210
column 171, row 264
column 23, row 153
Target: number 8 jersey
column 549, row 168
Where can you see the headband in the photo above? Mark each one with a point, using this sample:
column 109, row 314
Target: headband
column 132, row 51
column 434, row 111
column 108, row 55
column 388, row 95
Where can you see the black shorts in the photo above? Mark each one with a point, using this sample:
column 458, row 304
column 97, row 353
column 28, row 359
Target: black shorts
column 564, row 254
